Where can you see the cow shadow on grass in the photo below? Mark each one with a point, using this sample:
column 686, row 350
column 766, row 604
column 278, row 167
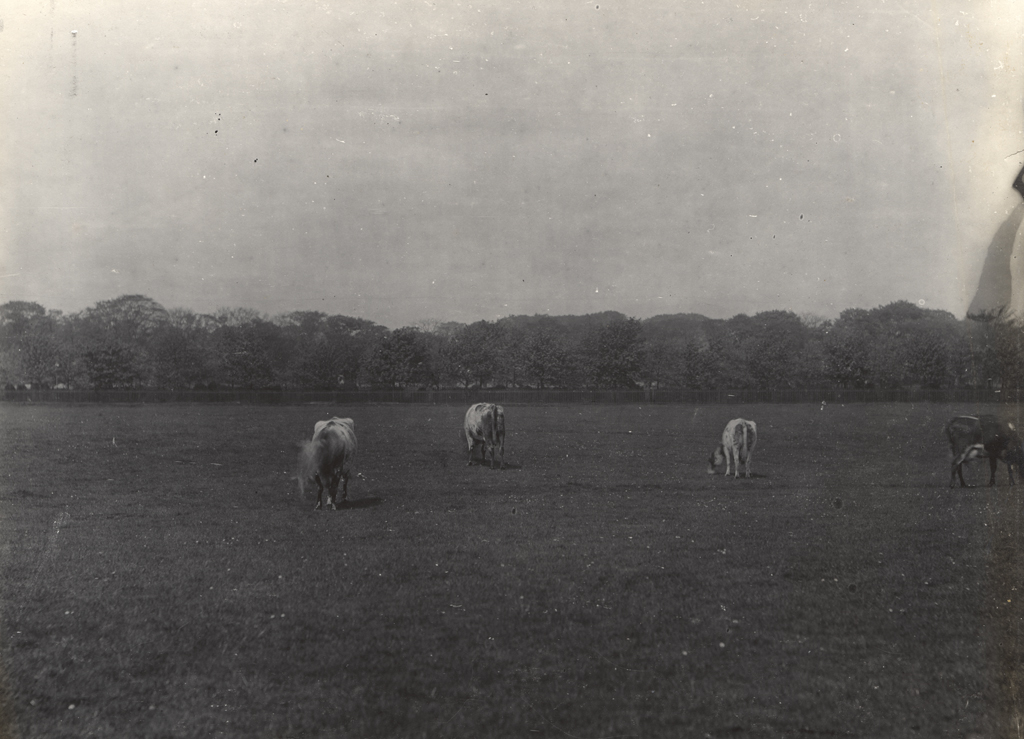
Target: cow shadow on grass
column 753, row 475
column 507, row 466
column 371, row 502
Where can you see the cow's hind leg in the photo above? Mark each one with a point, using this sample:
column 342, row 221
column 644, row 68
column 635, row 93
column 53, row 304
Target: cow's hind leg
column 335, row 478
column 471, row 443
column 319, row 493
column 993, row 463
column 746, row 465
column 957, row 471
column 957, row 466
column 344, row 486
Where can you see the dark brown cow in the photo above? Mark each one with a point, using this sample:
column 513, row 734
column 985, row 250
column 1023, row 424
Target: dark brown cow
column 974, row 437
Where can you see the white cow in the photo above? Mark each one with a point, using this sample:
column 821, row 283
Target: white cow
column 321, row 425
column 485, row 425
column 327, row 459
column 738, row 441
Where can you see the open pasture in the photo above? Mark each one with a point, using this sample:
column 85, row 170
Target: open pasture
column 162, row 577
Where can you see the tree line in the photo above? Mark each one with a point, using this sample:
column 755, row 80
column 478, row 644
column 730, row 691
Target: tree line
column 132, row 341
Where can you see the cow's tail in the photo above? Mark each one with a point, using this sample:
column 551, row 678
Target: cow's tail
column 311, row 453
column 499, row 425
column 306, row 464
column 948, row 431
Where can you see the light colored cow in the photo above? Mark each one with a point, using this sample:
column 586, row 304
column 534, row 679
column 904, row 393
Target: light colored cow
column 327, row 459
column 738, row 441
column 321, row 425
column 985, row 436
column 485, row 425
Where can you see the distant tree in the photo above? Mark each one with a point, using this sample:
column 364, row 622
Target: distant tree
column 1003, row 357
column 967, row 354
column 238, row 316
column 70, row 371
column 814, row 321
column 898, row 345
column 848, row 345
column 898, row 312
column 774, row 343
column 17, row 318
column 112, row 366
column 40, row 358
column 399, row 359
column 663, row 364
column 355, row 336
column 480, row 353
column 324, row 351
column 244, row 353
column 812, row 361
column 925, row 359
column 30, row 344
column 121, row 327
column 434, row 341
column 477, row 349
column 550, row 361
column 701, row 370
column 614, row 354
column 445, row 351
column 10, row 368
column 728, row 343
column 319, row 364
column 543, row 355
column 510, row 354
column 314, row 361
column 128, row 320
column 181, row 350
column 132, row 340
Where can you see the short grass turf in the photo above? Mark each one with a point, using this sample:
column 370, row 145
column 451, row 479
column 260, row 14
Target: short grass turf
column 162, row 577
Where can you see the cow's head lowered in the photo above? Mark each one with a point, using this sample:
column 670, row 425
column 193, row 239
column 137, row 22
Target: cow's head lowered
column 1013, row 456
column 972, row 437
column 717, row 457
column 326, row 460
column 308, row 465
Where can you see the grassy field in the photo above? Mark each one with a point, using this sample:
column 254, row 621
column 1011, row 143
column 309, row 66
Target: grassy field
column 162, row 577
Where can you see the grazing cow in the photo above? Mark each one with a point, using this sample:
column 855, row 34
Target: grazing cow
column 738, row 441
column 963, row 432
column 485, row 425
column 321, row 425
column 975, row 437
column 327, row 458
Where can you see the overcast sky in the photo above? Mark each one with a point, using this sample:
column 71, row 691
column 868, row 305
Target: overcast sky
column 409, row 160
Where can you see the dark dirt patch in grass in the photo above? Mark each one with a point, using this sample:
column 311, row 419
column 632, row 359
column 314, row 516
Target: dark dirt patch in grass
column 161, row 574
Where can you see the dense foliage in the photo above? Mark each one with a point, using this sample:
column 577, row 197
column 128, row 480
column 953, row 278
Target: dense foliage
column 133, row 341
